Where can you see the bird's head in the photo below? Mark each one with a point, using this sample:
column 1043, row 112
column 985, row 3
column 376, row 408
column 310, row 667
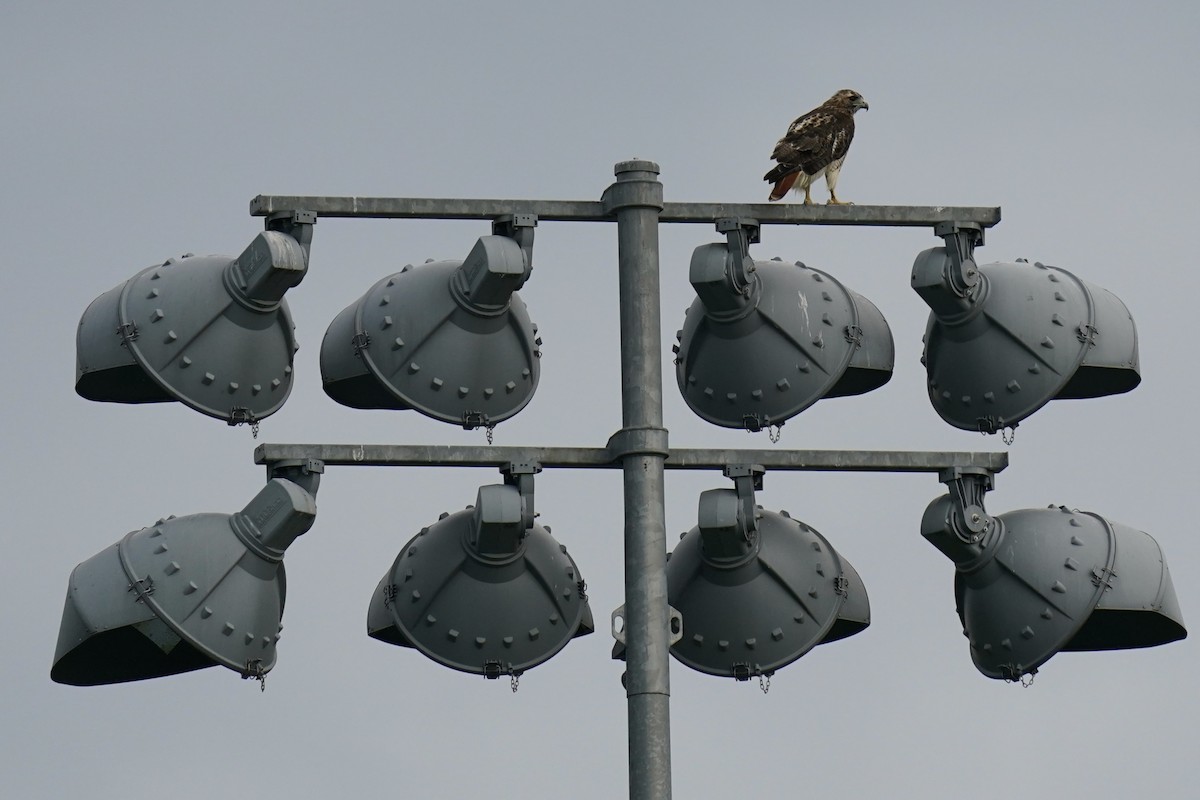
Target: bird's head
column 848, row 98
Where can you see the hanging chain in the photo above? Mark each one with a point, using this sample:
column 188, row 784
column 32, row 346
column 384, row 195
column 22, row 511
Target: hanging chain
column 239, row 415
column 490, row 427
column 774, row 432
column 764, row 682
column 1010, row 673
column 254, row 669
column 514, row 678
column 987, row 426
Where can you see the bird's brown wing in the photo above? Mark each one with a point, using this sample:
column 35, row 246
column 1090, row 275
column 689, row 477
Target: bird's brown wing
column 812, row 142
column 794, row 154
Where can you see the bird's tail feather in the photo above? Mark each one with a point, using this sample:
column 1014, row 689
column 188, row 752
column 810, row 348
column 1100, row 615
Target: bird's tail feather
column 777, row 172
column 783, row 186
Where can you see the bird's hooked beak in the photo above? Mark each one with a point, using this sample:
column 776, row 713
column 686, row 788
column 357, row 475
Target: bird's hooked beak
column 860, row 103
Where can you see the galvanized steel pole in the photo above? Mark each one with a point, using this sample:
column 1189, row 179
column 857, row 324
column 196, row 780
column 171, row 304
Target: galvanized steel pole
column 636, row 198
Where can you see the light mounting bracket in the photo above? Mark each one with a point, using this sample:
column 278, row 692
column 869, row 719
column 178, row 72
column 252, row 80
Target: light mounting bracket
column 960, row 272
column 969, row 521
column 519, row 228
column 740, row 233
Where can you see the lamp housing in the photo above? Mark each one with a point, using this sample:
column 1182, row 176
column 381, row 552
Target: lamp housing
column 485, row 590
column 211, row 332
column 1031, row 583
column 449, row 339
column 758, row 589
column 184, row 594
column 1018, row 336
column 764, row 340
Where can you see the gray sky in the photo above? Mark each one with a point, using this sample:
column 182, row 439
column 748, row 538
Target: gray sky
column 133, row 132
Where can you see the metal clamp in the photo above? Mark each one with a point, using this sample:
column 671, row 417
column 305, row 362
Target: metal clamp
column 520, row 474
column 969, row 521
column 297, row 224
column 674, row 626
column 961, row 273
column 636, row 442
column 740, row 233
column 519, row 228
column 304, row 472
column 747, row 478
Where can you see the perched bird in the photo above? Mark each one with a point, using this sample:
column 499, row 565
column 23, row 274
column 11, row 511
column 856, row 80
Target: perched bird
column 815, row 144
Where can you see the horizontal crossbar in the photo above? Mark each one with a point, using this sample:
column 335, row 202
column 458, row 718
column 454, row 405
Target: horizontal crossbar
column 593, row 211
column 380, row 455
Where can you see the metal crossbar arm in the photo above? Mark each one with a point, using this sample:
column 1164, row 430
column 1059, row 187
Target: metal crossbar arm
column 431, row 208
column 836, row 460
column 379, row 455
column 799, row 214
column 594, row 211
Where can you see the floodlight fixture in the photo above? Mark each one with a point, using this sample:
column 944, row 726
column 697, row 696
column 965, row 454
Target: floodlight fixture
column 187, row 592
column 1004, row 339
column 211, row 332
column 486, row 590
column 450, row 339
column 757, row 589
column 1034, row 582
column 764, row 340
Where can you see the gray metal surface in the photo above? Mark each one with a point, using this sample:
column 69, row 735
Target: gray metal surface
column 755, row 356
column 1027, row 334
column 636, row 199
column 427, row 339
column 388, row 455
column 488, row 610
column 1141, row 611
column 186, row 593
column 592, row 211
column 749, row 614
column 211, row 332
column 1038, row 581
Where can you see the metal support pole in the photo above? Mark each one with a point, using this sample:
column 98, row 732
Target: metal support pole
column 636, row 198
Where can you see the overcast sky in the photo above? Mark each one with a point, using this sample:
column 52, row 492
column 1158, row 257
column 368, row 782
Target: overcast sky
column 134, row 132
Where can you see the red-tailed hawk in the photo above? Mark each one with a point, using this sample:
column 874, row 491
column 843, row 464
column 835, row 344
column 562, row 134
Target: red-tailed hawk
column 815, row 145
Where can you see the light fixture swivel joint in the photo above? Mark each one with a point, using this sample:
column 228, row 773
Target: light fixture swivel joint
column 969, row 521
column 519, row 474
column 740, row 233
column 957, row 523
column 296, row 224
column 519, row 228
column 747, row 479
column 728, row 518
column 304, row 472
column 960, row 272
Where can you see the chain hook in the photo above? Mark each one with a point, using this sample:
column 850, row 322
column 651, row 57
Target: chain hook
column 254, row 669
